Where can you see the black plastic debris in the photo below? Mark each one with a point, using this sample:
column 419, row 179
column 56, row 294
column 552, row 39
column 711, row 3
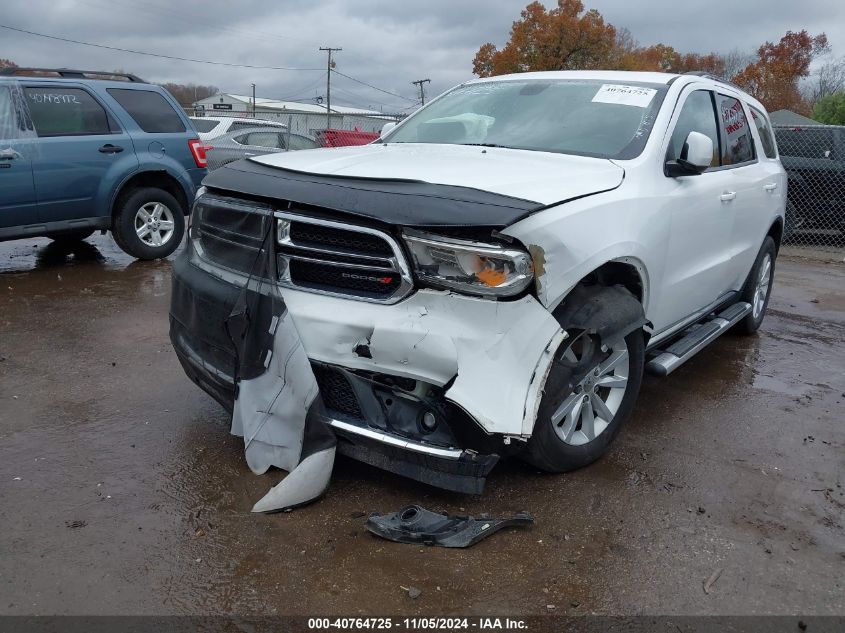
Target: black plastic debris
column 414, row 524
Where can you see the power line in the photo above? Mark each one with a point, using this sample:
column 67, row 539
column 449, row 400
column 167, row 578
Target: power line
column 194, row 20
column 359, row 97
column 364, row 83
column 172, row 57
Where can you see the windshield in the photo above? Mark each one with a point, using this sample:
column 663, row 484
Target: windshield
column 589, row 118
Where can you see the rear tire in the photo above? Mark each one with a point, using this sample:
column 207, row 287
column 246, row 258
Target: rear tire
column 149, row 224
column 559, row 444
column 69, row 237
column 758, row 287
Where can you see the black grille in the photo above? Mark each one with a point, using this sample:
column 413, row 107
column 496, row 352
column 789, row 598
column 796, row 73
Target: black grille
column 337, row 393
column 343, row 259
column 318, row 236
column 364, row 283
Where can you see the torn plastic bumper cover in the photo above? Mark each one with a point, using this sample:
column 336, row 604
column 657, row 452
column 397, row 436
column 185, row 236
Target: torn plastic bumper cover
column 275, row 399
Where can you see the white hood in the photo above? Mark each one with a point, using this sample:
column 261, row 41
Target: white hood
column 542, row 177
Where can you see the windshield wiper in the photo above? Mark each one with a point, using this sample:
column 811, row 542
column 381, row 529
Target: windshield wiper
column 485, row 145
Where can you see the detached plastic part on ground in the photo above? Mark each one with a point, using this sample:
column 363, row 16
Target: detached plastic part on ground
column 414, row 524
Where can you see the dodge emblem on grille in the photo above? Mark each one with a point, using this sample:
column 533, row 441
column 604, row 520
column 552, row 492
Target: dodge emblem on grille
column 379, row 280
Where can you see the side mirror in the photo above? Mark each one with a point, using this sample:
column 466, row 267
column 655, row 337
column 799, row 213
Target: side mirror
column 697, row 155
column 388, row 127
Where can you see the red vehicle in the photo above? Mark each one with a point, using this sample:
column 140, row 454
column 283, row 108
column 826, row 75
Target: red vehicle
column 344, row 138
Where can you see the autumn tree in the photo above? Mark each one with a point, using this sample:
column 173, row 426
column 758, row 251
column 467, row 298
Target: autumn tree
column 7, row 63
column 663, row 58
column 568, row 37
column 563, row 38
column 773, row 77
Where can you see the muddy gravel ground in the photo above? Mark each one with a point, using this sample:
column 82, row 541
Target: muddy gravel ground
column 121, row 490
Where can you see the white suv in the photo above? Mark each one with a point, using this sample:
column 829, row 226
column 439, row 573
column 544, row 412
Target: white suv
column 490, row 278
column 209, row 127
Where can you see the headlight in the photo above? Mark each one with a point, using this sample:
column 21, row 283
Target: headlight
column 472, row 267
column 193, row 218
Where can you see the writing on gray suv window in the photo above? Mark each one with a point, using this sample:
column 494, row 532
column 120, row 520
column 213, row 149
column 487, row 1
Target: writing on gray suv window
column 66, row 112
column 588, row 118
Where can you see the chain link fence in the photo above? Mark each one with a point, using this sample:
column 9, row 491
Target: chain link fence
column 814, row 158
column 232, row 135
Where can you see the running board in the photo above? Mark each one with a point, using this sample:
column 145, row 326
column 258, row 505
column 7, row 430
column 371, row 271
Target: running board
column 698, row 337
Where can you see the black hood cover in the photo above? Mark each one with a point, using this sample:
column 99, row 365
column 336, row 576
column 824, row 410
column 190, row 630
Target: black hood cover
column 398, row 202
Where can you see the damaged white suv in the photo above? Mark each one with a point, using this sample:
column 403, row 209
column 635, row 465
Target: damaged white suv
column 490, row 278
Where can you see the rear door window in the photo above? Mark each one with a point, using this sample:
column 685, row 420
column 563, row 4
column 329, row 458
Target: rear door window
column 767, row 139
column 149, row 109
column 59, row 111
column 264, row 139
column 738, row 146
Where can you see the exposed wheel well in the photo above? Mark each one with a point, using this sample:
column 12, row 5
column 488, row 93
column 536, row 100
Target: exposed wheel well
column 158, row 179
column 614, row 273
column 776, row 232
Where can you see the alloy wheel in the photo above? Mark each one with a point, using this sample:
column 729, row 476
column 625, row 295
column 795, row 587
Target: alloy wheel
column 588, row 411
column 761, row 292
column 154, row 224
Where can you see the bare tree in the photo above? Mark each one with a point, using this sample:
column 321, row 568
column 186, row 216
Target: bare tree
column 735, row 61
column 827, row 80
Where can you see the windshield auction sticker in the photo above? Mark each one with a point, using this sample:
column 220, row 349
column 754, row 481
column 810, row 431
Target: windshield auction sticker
column 625, row 95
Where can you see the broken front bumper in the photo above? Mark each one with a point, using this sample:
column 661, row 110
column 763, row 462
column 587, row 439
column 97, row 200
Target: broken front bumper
column 419, row 388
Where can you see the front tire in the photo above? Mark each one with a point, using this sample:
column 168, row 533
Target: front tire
column 758, row 287
column 588, row 396
column 149, row 224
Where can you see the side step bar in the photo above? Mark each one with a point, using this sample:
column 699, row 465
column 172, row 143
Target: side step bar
column 696, row 339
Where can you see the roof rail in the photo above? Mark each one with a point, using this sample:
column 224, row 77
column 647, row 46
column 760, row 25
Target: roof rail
column 68, row 73
column 708, row 75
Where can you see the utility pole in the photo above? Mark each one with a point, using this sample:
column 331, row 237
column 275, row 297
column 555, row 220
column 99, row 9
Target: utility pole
column 420, row 82
column 329, row 84
column 253, row 101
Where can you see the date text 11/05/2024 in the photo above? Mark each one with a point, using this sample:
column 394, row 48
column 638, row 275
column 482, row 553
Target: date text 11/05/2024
column 414, row 624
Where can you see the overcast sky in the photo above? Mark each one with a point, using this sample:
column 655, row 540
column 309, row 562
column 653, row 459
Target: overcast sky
column 385, row 43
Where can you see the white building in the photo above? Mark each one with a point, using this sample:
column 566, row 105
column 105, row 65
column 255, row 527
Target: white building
column 303, row 118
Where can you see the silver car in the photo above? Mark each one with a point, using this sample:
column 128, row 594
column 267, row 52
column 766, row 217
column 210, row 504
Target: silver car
column 253, row 142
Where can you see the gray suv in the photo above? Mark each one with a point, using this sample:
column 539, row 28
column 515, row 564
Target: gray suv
column 82, row 151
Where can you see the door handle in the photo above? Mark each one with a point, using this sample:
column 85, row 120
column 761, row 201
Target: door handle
column 8, row 154
column 770, row 186
column 727, row 196
column 108, row 148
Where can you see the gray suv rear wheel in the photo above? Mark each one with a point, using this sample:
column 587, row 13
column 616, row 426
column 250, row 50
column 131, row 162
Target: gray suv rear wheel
column 149, row 224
